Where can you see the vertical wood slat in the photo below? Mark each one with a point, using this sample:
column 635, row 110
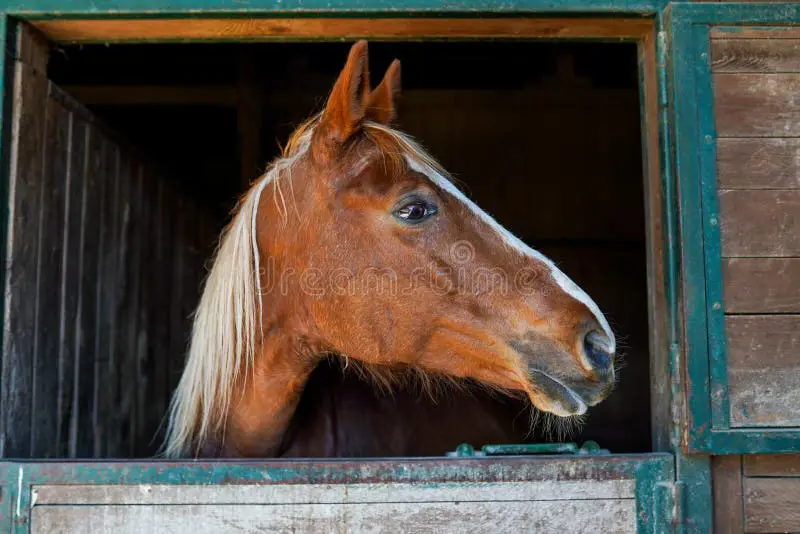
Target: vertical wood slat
column 71, row 276
column 103, row 274
column 30, row 94
column 88, row 303
column 44, row 421
column 728, row 498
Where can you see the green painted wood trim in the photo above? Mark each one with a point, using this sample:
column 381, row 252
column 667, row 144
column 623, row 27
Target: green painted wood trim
column 7, row 51
column 654, row 495
column 149, row 8
column 691, row 91
column 736, row 13
column 712, row 241
column 686, row 139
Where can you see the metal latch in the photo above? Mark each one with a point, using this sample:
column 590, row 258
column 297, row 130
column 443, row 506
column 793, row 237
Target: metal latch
column 465, row 450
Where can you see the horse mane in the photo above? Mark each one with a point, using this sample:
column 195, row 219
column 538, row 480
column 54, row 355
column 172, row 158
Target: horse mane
column 227, row 321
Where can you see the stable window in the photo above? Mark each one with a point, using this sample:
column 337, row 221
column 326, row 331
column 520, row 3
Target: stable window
column 556, row 139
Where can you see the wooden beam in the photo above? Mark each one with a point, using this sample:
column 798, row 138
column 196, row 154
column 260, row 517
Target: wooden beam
column 267, row 29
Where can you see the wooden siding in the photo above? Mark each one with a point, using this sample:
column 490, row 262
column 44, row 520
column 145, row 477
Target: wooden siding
column 756, row 83
column 567, row 506
column 86, row 365
column 757, row 494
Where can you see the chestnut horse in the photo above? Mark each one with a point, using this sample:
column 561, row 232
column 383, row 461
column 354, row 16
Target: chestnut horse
column 355, row 245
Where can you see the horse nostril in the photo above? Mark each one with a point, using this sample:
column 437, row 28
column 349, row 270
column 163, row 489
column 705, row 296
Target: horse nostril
column 595, row 345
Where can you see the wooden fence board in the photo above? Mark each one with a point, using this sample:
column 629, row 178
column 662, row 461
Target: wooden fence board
column 755, row 55
column 757, row 105
column 763, row 223
column 772, row 504
column 758, row 163
column 761, row 285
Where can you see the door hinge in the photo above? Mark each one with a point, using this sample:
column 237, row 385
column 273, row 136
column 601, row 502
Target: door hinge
column 670, row 507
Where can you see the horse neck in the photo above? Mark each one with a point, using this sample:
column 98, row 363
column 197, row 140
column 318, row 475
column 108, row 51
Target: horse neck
column 259, row 417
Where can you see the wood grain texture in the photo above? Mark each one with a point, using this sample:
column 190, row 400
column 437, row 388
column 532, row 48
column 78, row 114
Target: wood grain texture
column 757, row 105
column 755, row 32
column 143, row 494
column 761, row 285
column 512, row 517
column 762, row 223
column 772, row 504
column 758, row 163
column 755, row 55
column 726, row 473
column 265, row 29
column 763, row 369
column 78, row 362
column 45, row 388
column 772, row 465
column 27, row 142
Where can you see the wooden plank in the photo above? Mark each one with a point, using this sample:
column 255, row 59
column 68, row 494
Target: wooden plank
column 265, row 29
column 772, row 504
column 772, row 465
column 757, row 105
column 145, row 494
column 755, row 32
column 764, row 397
column 44, row 423
column 105, row 367
column 728, row 502
column 71, row 276
column 27, row 141
column 87, row 321
column 588, row 516
column 763, row 370
column 758, row 163
column 761, row 285
column 755, row 55
column 760, row 222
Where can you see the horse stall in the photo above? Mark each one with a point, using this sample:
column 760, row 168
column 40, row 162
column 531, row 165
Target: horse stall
column 649, row 148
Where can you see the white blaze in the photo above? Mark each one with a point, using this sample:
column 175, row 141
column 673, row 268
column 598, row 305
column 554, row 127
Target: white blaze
column 570, row 287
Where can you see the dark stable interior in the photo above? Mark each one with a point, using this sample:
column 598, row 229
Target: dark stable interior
column 545, row 137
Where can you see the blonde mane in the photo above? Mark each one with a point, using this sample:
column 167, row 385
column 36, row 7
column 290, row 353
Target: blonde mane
column 227, row 321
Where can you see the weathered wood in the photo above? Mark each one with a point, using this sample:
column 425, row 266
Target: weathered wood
column 771, row 465
column 564, row 516
column 757, row 105
column 44, row 424
column 27, row 141
column 755, row 55
column 755, row 32
column 764, row 223
column 74, row 31
column 544, row 490
column 89, row 297
column 106, row 368
column 727, row 485
column 772, row 504
column 71, row 277
column 763, row 370
column 761, row 285
column 758, row 163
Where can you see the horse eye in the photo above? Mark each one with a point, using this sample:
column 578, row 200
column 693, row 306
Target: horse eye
column 415, row 211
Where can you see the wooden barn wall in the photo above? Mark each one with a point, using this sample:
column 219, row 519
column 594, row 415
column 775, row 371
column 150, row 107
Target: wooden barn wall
column 756, row 494
column 104, row 265
column 756, row 83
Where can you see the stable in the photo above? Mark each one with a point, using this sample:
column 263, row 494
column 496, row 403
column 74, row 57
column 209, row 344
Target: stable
column 667, row 130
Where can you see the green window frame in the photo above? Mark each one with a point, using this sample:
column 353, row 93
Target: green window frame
column 695, row 140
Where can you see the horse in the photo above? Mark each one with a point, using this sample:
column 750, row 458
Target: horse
column 356, row 249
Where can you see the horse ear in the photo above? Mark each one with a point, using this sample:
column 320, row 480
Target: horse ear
column 382, row 105
column 346, row 105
